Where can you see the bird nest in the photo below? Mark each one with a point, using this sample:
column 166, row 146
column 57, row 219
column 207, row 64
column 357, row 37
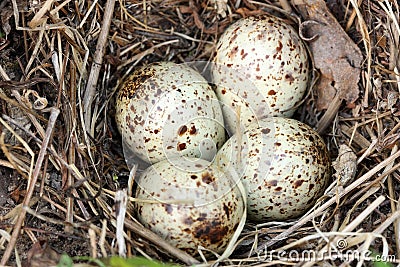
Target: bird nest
column 62, row 167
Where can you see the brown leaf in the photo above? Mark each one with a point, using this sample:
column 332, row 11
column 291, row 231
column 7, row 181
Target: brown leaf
column 345, row 165
column 197, row 21
column 245, row 12
column 185, row 9
column 17, row 194
column 192, row 9
column 41, row 254
column 336, row 56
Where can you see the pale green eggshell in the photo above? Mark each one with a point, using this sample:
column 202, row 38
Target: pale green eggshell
column 207, row 206
column 262, row 66
column 167, row 110
column 283, row 164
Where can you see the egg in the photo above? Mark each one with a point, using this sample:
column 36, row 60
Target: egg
column 166, row 110
column 284, row 165
column 190, row 204
column 261, row 66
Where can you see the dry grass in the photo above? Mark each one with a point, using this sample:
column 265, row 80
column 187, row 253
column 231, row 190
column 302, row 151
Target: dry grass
column 59, row 141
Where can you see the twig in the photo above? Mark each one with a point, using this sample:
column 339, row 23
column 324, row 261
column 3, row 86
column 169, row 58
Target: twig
column 121, row 201
column 6, row 164
column 93, row 242
column 330, row 114
column 96, row 66
column 71, row 150
column 351, row 226
column 102, row 239
column 149, row 51
column 4, row 74
column 395, row 216
column 154, row 238
column 17, row 228
column 352, row 17
column 87, row 14
column 20, row 139
column 368, row 50
column 38, row 18
column 35, row 51
column 393, row 206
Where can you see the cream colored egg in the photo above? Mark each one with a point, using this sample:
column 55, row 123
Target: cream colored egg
column 192, row 204
column 166, row 110
column 261, row 66
column 284, row 165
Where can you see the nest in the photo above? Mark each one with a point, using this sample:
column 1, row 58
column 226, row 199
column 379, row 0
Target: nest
column 62, row 165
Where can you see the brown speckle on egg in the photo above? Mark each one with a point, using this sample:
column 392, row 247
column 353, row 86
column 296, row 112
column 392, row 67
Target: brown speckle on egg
column 291, row 162
column 265, row 54
column 181, row 146
column 265, row 131
column 168, row 106
column 207, row 178
column 182, row 130
column 193, row 130
column 211, row 232
column 207, row 204
column 168, row 208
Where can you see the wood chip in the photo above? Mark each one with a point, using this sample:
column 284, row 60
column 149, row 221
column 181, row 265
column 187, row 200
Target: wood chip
column 336, row 56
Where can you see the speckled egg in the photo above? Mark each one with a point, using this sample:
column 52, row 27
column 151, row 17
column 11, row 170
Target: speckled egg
column 284, row 165
column 167, row 110
column 190, row 204
column 262, row 66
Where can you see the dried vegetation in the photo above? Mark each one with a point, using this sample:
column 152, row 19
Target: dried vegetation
column 60, row 152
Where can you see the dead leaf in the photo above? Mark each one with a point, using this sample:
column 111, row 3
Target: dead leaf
column 5, row 16
column 336, row 56
column 345, row 165
column 17, row 194
column 41, row 254
column 192, row 9
column 392, row 98
column 381, row 41
column 185, row 9
column 245, row 12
